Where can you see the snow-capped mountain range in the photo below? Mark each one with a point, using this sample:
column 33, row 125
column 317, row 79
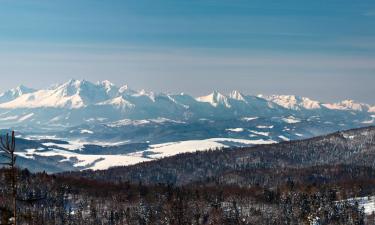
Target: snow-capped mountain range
column 81, row 94
column 145, row 125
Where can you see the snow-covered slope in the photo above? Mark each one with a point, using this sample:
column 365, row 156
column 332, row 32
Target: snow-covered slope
column 14, row 93
column 215, row 99
column 294, row 102
column 158, row 125
column 78, row 102
column 349, row 105
column 81, row 156
column 72, row 95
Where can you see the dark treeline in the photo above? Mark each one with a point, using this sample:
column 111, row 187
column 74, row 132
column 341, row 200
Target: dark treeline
column 354, row 147
column 72, row 200
column 299, row 182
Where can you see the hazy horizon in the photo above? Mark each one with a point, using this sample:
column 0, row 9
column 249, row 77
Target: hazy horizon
column 176, row 91
column 319, row 49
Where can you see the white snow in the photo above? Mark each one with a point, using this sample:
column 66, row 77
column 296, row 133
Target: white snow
column 69, row 146
column 79, row 144
column 173, row 148
column 260, row 132
column 369, row 121
column 291, row 120
column 25, row 117
column 45, row 98
column 284, row 138
column 84, row 131
column 99, row 119
column 28, row 154
column 264, row 127
column 72, row 94
column 9, row 118
column 348, row 105
column 95, row 162
column 215, row 99
column 100, row 162
column 346, row 136
column 294, row 102
column 236, row 95
column 128, row 122
column 235, row 129
column 118, row 102
column 249, row 118
column 368, row 203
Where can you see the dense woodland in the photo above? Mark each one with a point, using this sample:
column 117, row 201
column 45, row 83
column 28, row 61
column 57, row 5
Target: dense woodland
column 298, row 182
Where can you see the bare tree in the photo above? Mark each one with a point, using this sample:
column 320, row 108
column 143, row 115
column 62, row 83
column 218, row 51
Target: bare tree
column 8, row 146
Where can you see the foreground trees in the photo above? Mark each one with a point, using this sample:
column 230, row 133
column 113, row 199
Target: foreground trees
column 71, row 200
column 278, row 184
column 8, row 147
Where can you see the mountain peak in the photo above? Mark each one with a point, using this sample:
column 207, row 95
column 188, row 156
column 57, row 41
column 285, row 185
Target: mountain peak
column 215, row 99
column 348, row 104
column 108, row 85
column 125, row 90
column 71, row 87
column 15, row 93
column 237, row 95
column 294, row 102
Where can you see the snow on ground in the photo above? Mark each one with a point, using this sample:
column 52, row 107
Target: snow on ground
column 346, row 136
column 79, row 144
column 368, row 203
column 39, row 137
column 95, row 162
column 156, row 151
column 249, row 118
column 69, row 146
column 235, row 129
column 28, row 154
column 9, row 118
column 174, row 148
column 84, row 131
column 128, row 122
column 369, row 121
column 264, row 127
column 260, row 133
column 25, row 117
column 284, row 138
column 291, row 120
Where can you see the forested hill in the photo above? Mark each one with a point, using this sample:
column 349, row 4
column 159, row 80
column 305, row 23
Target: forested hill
column 299, row 182
column 251, row 165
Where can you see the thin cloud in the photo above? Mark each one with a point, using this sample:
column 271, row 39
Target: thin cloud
column 369, row 13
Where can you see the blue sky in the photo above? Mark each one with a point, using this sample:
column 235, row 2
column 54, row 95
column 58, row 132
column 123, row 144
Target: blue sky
column 324, row 49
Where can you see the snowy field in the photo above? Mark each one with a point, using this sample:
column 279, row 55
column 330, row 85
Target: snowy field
column 157, row 151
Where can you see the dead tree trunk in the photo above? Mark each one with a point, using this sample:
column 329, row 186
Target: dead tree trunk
column 8, row 146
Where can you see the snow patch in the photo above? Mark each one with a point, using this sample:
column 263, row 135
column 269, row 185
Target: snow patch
column 25, row 117
column 291, row 120
column 367, row 203
column 284, row 138
column 235, row 129
column 249, row 118
column 174, row 148
column 265, row 127
column 260, row 132
column 9, row 118
column 86, row 131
